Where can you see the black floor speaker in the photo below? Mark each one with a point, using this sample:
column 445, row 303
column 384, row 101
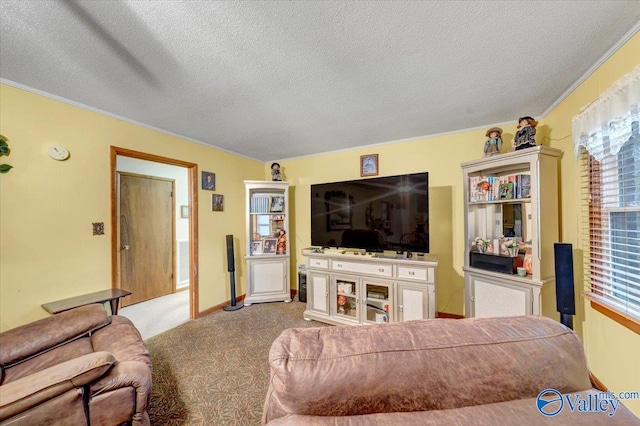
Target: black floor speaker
column 565, row 283
column 231, row 267
column 302, row 287
column 231, row 264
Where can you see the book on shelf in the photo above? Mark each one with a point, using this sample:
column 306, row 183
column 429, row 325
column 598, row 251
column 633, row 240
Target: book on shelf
column 513, row 179
column 506, row 191
column 525, row 186
column 494, row 188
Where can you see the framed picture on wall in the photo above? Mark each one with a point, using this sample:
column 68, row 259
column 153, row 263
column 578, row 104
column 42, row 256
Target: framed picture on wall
column 209, row 181
column 369, row 165
column 217, row 202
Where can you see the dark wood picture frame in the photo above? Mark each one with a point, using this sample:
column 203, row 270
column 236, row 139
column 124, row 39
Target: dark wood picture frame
column 208, row 181
column 217, row 202
column 277, row 204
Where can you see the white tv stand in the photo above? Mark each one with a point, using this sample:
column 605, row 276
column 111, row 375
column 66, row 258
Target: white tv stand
column 348, row 288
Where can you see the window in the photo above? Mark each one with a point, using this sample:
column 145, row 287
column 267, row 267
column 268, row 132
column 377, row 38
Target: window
column 614, row 232
column 263, row 225
column 610, row 188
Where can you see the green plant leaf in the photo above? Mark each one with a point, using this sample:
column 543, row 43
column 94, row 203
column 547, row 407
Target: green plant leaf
column 4, row 146
column 4, row 168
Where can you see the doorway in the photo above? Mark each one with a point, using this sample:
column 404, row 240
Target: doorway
column 191, row 207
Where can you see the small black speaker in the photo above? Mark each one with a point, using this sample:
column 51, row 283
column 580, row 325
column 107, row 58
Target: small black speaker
column 565, row 299
column 231, row 265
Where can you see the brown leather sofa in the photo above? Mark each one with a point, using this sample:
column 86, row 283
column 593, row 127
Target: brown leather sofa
column 481, row 371
column 80, row 367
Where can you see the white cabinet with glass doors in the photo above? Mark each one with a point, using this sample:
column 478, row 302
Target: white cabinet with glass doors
column 347, row 289
column 512, row 195
column 267, row 242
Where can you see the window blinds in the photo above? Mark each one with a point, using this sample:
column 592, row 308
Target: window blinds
column 607, row 140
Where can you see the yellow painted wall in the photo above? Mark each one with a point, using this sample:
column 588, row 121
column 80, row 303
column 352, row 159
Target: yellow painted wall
column 47, row 250
column 613, row 352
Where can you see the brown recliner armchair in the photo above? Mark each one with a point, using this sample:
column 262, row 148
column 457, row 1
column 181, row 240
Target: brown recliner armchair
column 75, row 368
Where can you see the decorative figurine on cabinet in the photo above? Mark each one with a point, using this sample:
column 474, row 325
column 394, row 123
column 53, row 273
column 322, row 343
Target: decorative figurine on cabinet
column 275, row 172
column 525, row 136
column 493, row 145
column 282, row 242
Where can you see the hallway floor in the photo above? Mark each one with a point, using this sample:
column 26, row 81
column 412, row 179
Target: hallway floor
column 158, row 315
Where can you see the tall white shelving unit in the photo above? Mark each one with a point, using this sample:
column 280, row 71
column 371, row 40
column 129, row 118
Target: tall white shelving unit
column 267, row 259
column 488, row 215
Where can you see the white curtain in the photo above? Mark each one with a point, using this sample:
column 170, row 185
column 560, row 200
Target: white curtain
column 606, row 123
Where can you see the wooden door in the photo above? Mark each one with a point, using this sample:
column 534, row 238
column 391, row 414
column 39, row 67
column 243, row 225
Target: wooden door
column 146, row 248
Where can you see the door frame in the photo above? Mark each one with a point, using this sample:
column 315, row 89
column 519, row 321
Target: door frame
column 192, row 179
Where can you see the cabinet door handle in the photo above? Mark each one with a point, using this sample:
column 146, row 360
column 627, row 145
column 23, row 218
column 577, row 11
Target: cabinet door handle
column 380, row 269
column 338, row 265
column 401, row 308
column 411, row 273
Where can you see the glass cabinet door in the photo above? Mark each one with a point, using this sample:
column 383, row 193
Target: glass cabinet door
column 378, row 302
column 346, row 297
column 267, row 224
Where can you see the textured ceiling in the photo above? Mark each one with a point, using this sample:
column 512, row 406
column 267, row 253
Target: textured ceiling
column 273, row 80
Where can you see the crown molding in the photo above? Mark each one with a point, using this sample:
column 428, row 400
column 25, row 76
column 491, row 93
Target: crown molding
column 594, row 67
column 115, row 116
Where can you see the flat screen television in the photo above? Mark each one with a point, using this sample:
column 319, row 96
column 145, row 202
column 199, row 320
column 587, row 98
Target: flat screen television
column 375, row 214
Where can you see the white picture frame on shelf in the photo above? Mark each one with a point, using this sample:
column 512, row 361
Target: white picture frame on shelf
column 256, row 247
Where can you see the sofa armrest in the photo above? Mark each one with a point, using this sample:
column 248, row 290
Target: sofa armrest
column 135, row 374
column 25, row 341
column 27, row 392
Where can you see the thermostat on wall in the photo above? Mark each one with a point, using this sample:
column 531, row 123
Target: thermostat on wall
column 57, row 152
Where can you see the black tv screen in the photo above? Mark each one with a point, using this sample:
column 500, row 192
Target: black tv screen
column 384, row 213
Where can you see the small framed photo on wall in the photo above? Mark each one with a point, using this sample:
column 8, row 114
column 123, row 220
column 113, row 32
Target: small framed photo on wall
column 209, row 181
column 369, row 165
column 217, row 202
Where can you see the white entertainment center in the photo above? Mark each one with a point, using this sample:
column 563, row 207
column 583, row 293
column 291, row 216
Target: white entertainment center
column 348, row 287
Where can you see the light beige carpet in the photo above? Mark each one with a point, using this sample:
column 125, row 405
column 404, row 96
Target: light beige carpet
column 158, row 315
